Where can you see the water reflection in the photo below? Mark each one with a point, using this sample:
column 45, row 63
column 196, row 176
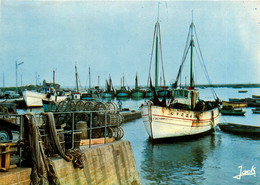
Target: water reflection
column 107, row 99
column 122, row 98
column 137, row 98
column 180, row 162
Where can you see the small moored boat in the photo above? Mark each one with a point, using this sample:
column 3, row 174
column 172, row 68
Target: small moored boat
column 256, row 111
column 229, row 110
column 109, row 92
column 242, row 91
column 137, row 92
column 240, row 129
column 234, row 104
column 256, row 96
column 123, row 92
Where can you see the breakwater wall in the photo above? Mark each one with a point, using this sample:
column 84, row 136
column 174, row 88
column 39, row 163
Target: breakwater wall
column 230, row 85
column 111, row 163
column 129, row 116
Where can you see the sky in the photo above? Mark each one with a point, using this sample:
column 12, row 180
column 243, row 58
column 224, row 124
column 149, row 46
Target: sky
column 115, row 37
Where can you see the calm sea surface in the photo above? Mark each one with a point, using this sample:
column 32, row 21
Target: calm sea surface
column 212, row 159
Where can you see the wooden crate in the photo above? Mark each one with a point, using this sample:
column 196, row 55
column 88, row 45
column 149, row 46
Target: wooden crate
column 5, row 156
column 96, row 141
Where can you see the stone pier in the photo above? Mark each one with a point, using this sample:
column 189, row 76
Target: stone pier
column 111, row 163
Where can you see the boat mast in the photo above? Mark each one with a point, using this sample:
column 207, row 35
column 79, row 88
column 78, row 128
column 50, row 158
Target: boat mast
column 89, row 83
column 3, row 81
column 76, row 74
column 156, row 52
column 156, row 57
column 54, row 79
column 110, row 84
column 191, row 55
column 136, row 81
column 123, row 79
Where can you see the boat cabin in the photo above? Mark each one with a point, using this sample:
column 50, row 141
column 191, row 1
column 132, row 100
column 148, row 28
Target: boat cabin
column 86, row 96
column 11, row 94
column 76, row 96
column 186, row 97
column 49, row 90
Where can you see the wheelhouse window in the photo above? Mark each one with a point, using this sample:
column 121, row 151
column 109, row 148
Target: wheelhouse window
column 181, row 93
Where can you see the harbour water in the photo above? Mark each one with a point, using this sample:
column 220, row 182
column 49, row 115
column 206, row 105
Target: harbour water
column 212, row 159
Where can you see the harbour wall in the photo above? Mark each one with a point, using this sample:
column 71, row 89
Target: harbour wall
column 111, row 163
column 129, row 116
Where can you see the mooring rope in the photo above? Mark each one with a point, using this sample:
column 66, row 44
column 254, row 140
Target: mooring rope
column 74, row 155
column 42, row 170
column 53, row 137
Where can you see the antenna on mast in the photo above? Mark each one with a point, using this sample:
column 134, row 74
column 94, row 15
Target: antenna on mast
column 158, row 12
column 192, row 15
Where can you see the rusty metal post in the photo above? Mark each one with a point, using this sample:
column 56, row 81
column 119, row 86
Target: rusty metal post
column 73, row 123
column 117, row 125
column 105, row 127
column 20, row 138
column 90, row 133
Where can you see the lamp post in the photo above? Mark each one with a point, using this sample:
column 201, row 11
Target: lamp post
column 16, row 67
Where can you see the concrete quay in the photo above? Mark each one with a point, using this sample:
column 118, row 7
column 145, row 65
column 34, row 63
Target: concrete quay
column 111, row 163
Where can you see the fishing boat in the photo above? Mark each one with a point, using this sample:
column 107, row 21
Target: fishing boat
column 256, row 96
column 148, row 93
column 95, row 91
column 234, row 104
column 122, row 92
column 229, row 110
column 86, row 96
column 240, row 129
column 185, row 115
column 254, row 104
column 50, row 92
column 163, row 91
column 236, row 99
column 37, row 99
column 11, row 95
column 76, row 95
column 109, row 92
column 256, row 111
column 242, row 91
column 137, row 92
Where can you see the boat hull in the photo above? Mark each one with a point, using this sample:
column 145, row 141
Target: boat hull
column 233, row 112
column 149, row 94
column 35, row 99
column 240, row 129
column 256, row 96
column 256, row 111
column 137, row 94
column 162, row 93
column 162, row 122
column 234, row 104
column 122, row 94
column 107, row 95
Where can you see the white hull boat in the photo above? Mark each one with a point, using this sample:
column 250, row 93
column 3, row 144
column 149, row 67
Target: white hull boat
column 162, row 122
column 186, row 114
column 34, row 99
